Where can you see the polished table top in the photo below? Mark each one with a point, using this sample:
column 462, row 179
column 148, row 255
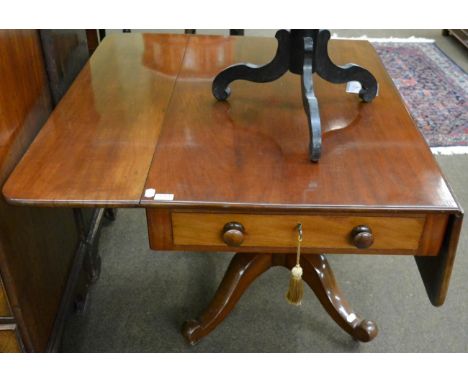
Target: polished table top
column 141, row 115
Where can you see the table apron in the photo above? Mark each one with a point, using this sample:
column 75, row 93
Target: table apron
column 402, row 233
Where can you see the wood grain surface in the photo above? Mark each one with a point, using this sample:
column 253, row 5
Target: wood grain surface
column 96, row 148
column 65, row 54
column 393, row 233
column 436, row 271
column 9, row 342
column 4, row 306
column 251, row 151
column 36, row 245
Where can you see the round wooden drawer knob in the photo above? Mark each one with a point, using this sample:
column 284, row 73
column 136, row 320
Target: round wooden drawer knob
column 362, row 236
column 233, row 234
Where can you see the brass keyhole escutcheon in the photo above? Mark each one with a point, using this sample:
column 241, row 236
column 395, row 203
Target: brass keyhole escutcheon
column 233, row 234
column 362, row 236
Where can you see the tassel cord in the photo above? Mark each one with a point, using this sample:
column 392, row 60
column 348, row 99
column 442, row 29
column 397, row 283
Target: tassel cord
column 299, row 242
column 296, row 288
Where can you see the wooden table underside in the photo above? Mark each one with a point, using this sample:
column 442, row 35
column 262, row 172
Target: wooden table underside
column 141, row 116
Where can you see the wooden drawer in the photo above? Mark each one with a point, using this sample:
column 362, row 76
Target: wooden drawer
column 4, row 307
column 9, row 339
column 391, row 233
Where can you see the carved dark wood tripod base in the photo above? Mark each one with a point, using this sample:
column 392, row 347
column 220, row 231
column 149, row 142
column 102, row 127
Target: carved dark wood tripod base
column 246, row 267
column 303, row 52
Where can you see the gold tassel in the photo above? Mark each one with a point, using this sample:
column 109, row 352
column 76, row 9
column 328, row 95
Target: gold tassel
column 296, row 288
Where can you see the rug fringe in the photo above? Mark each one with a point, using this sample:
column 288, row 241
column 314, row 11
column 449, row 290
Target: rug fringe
column 411, row 39
column 453, row 150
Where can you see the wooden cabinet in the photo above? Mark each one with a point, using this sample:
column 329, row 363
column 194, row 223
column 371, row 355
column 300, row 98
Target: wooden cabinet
column 5, row 311
column 9, row 339
column 36, row 245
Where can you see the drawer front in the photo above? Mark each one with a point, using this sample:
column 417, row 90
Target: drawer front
column 322, row 232
column 4, row 307
column 9, row 339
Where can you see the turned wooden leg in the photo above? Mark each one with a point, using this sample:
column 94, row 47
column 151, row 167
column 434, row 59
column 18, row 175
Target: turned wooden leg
column 242, row 271
column 319, row 276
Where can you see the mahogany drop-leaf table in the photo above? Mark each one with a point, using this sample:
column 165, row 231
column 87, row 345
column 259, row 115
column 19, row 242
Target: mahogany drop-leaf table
column 140, row 128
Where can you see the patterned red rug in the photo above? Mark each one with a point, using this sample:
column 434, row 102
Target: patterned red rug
column 435, row 90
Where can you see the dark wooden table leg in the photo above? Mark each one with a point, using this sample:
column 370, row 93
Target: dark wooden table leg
column 110, row 214
column 266, row 73
column 242, row 271
column 326, row 69
column 319, row 276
